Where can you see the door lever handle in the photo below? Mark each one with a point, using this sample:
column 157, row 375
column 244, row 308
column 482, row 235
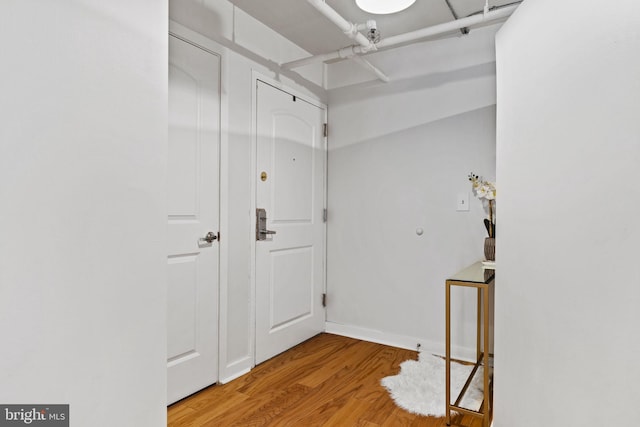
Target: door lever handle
column 209, row 238
column 261, row 225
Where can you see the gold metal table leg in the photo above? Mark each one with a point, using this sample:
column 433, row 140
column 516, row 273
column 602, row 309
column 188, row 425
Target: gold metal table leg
column 487, row 401
column 448, row 352
column 479, row 326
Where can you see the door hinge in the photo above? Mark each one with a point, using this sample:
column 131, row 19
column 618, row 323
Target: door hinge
column 218, row 236
column 325, row 130
column 324, row 215
column 324, row 300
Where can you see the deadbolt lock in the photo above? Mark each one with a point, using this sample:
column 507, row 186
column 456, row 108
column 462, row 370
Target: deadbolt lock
column 263, row 176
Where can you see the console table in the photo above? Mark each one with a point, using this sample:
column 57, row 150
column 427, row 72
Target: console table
column 474, row 276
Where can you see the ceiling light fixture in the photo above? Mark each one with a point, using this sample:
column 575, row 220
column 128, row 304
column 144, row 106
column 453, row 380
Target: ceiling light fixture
column 383, row 7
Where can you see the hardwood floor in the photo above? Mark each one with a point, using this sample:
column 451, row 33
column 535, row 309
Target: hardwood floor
column 327, row 381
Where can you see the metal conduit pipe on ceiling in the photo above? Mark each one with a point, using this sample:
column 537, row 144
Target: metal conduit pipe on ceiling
column 412, row 36
column 351, row 30
column 344, row 53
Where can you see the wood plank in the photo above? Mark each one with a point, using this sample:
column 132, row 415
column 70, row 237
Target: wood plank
column 262, row 410
column 207, row 410
column 326, row 381
column 349, row 414
column 353, row 353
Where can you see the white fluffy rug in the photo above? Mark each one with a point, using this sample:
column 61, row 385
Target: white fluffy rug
column 420, row 386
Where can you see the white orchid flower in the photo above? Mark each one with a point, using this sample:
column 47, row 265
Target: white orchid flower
column 490, row 194
column 485, row 191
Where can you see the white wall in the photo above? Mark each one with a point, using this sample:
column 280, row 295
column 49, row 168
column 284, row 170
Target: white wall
column 82, row 217
column 399, row 155
column 246, row 46
column 568, row 284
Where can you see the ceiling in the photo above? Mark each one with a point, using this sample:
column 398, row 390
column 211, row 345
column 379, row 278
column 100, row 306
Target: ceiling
column 299, row 22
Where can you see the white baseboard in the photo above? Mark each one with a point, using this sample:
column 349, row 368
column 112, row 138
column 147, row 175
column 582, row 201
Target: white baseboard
column 400, row 341
column 235, row 370
column 234, row 376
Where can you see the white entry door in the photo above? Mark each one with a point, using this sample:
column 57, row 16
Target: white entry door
column 193, row 212
column 291, row 154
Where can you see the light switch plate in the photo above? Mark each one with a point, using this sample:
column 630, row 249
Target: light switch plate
column 463, row 202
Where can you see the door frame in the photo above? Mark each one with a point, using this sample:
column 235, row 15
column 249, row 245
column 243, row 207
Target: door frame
column 189, row 36
column 255, row 77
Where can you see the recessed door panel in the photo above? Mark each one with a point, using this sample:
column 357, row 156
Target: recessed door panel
column 183, row 168
column 291, row 286
column 293, row 168
column 182, row 296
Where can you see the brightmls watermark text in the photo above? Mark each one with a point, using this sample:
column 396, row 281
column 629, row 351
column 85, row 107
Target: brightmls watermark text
column 34, row 415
